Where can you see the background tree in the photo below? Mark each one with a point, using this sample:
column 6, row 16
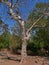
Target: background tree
column 41, row 32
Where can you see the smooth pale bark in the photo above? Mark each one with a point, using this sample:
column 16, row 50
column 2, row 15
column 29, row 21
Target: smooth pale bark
column 23, row 34
column 24, row 43
column 24, row 51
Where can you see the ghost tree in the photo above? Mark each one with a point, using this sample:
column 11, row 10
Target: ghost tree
column 25, row 34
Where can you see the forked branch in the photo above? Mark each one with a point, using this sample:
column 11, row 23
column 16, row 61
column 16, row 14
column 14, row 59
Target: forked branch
column 14, row 15
column 34, row 25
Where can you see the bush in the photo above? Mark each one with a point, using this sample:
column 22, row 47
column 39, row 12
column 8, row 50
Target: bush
column 16, row 49
column 32, row 48
column 36, row 49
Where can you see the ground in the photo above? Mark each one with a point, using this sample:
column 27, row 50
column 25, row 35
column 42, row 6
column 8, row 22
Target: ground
column 30, row 60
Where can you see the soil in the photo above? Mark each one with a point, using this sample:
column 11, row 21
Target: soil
column 30, row 60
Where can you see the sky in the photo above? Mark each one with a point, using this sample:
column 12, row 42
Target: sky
column 24, row 11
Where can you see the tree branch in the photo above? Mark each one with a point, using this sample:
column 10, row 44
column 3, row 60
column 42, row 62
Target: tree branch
column 46, row 14
column 16, row 17
column 33, row 25
column 15, row 4
column 7, row 3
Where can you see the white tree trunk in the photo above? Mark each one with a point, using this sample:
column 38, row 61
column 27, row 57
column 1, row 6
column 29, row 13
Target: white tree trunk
column 24, row 44
column 24, row 51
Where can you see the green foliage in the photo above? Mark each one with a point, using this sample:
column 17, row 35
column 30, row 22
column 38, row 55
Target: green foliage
column 40, row 9
column 4, row 40
column 38, row 41
column 4, row 35
column 33, row 47
column 40, row 37
column 15, row 43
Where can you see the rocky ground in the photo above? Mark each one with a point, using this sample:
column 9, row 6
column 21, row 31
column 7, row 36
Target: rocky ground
column 30, row 60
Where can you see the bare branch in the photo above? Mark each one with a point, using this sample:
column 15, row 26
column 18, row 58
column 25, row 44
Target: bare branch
column 11, row 3
column 33, row 25
column 16, row 17
column 46, row 14
column 15, row 4
column 8, row 3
